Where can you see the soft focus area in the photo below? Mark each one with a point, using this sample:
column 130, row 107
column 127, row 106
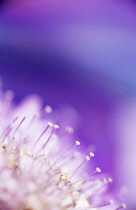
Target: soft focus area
column 80, row 58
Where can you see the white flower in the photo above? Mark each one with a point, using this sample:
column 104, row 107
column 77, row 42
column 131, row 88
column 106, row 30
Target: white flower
column 40, row 169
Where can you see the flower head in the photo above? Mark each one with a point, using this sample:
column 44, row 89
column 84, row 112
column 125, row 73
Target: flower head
column 39, row 168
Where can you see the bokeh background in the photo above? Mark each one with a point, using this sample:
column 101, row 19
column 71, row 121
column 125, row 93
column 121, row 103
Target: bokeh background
column 79, row 57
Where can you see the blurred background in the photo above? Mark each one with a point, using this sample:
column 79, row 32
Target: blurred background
column 80, row 57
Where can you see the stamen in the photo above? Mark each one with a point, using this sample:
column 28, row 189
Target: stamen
column 67, row 130
column 87, row 158
column 111, row 202
column 38, row 157
column 19, row 125
column 33, row 119
column 24, row 140
column 54, row 127
column 44, row 145
column 77, row 143
column 8, row 129
column 104, row 182
column 16, row 118
column 47, row 127
column 123, row 206
column 90, row 174
column 7, row 132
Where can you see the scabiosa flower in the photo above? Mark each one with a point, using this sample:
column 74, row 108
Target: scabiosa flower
column 40, row 168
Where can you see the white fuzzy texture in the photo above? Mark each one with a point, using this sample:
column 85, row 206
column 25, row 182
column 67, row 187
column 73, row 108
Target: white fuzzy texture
column 38, row 168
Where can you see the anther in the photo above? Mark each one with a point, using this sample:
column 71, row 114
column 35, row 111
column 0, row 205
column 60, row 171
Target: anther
column 123, row 206
column 56, row 126
column 91, row 154
column 98, row 170
column 107, row 180
column 48, row 109
column 69, row 129
column 78, row 143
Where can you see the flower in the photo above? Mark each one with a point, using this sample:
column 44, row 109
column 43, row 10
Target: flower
column 39, row 168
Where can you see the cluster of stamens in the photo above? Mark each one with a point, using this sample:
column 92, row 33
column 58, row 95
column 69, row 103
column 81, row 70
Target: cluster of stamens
column 41, row 171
